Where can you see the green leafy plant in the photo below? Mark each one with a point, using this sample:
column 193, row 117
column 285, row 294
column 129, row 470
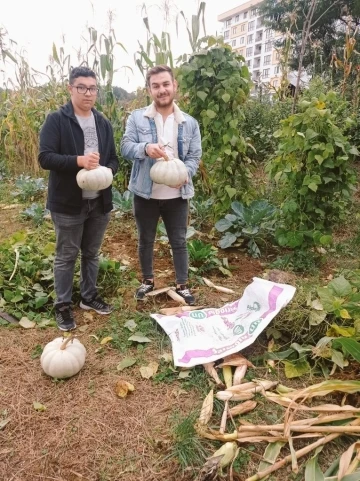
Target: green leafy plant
column 204, row 257
column 28, row 188
column 215, row 84
column 123, row 203
column 253, row 223
column 312, row 171
column 201, row 212
column 36, row 213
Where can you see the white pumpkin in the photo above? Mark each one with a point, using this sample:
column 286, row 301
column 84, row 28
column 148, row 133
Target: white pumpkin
column 62, row 358
column 170, row 172
column 94, row 179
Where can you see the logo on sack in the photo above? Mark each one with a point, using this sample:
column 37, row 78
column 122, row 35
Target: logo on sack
column 197, row 315
column 238, row 330
column 254, row 325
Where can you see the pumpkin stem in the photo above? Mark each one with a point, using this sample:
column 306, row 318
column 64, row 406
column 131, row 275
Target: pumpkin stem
column 64, row 344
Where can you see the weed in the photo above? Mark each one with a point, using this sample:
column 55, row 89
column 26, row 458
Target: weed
column 36, row 213
column 204, row 257
column 299, row 261
column 29, row 189
column 36, row 352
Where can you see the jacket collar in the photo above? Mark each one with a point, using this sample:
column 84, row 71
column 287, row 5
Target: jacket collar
column 178, row 115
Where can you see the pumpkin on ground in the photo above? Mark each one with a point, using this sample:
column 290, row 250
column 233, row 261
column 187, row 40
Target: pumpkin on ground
column 94, row 179
column 62, row 358
column 170, row 172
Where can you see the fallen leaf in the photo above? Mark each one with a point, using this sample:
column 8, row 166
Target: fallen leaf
column 26, row 323
column 3, row 423
column 139, row 338
column 38, row 406
column 166, row 356
column 178, row 392
column 131, row 325
column 148, row 371
column 95, row 337
column 184, row 374
column 122, row 388
column 126, row 362
column 106, row 340
column 89, row 316
column 83, row 328
column 224, row 299
column 45, row 322
column 125, row 262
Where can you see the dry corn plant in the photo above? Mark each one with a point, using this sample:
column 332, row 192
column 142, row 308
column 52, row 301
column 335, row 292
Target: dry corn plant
column 320, row 424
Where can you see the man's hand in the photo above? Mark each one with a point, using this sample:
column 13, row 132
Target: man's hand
column 89, row 161
column 155, row 151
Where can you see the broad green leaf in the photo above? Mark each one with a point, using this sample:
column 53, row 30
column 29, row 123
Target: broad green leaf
column 325, row 240
column 140, row 338
column 227, row 240
column 131, row 325
column 126, row 362
column 313, row 471
column 49, row 249
column 340, row 286
column 16, row 298
column 351, row 346
column 340, row 331
column 296, row 368
column 211, row 114
column 344, row 314
column 231, row 192
column 326, row 298
column 316, row 317
column 226, row 98
column 312, row 186
column 338, row 358
column 202, row 95
column 223, row 224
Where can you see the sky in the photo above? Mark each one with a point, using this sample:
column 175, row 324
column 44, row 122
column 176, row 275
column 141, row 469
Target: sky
column 35, row 25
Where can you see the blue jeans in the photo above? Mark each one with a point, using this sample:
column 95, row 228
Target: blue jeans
column 85, row 232
column 174, row 213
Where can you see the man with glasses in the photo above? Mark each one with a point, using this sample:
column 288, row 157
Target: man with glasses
column 74, row 137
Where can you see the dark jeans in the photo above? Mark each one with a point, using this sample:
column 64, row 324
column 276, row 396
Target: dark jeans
column 85, row 232
column 174, row 213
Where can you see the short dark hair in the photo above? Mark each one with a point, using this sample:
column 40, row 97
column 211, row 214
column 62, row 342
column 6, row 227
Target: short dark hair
column 80, row 72
column 158, row 69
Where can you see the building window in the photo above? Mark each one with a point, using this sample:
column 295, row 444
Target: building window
column 266, row 72
column 248, row 63
column 242, row 40
column 245, row 15
column 251, row 25
column 269, row 33
column 234, row 29
column 226, row 34
column 233, row 43
column 277, row 56
column 241, row 51
column 250, row 38
column 268, row 47
column 237, row 18
column 267, row 59
column 228, row 23
column 253, row 12
column 242, row 27
column 277, row 69
column 249, row 51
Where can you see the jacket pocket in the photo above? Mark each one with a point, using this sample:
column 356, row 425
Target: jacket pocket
column 144, row 134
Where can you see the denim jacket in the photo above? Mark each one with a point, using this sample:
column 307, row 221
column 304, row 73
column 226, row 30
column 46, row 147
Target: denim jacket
column 141, row 130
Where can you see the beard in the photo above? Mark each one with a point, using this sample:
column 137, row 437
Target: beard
column 164, row 101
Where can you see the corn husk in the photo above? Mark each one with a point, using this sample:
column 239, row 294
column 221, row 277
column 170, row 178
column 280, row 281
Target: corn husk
column 239, row 375
column 207, row 408
column 171, row 293
column 242, row 408
column 227, row 451
column 233, row 396
column 157, row 292
column 227, row 372
column 210, row 369
column 224, row 418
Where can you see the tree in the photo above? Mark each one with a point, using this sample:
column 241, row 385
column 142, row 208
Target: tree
column 326, row 34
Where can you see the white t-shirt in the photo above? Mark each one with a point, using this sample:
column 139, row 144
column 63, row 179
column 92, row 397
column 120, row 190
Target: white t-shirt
column 165, row 137
column 90, row 145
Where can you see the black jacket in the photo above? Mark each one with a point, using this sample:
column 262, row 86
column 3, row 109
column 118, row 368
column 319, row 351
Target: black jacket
column 61, row 142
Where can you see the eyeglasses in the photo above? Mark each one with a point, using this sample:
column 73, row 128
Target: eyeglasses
column 81, row 89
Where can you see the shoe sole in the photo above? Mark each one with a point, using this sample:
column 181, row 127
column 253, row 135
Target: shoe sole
column 88, row 308
column 67, row 330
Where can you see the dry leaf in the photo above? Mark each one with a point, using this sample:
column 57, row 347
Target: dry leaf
column 88, row 315
column 83, row 328
column 139, row 338
column 207, row 408
column 166, row 356
column 106, row 340
column 242, row 408
column 148, row 371
column 209, row 368
column 184, row 374
column 38, row 406
column 122, row 388
column 26, row 323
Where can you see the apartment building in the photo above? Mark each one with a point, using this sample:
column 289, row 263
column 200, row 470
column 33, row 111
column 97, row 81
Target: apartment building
column 244, row 29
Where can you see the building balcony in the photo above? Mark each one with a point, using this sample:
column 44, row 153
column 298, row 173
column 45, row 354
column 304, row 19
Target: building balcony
column 259, row 37
column 257, row 50
column 256, row 75
column 257, row 63
column 259, row 23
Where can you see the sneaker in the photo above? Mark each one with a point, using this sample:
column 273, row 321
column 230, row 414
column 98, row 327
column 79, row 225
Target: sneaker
column 64, row 317
column 97, row 305
column 146, row 286
column 185, row 293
